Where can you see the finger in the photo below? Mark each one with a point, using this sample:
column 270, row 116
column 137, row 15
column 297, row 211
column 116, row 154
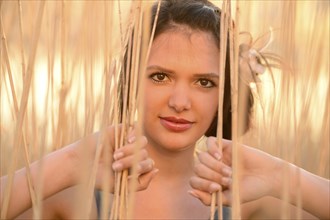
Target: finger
column 131, row 136
column 204, row 172
column 130, row 149
column 213, row 148
column 145, row 166
column 204, row 185
column 128, row 161
column 215, row 165
column 144, row 180
column 226, row 151
column 204, row 197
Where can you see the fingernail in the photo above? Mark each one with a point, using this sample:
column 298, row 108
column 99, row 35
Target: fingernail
column 138, row 168
column 131, row 139
column 117, row 166
column 118, row 155
column 217, row 156
column 214, row 187
column 227, row 171
column 193, row 194
column 155, row 171
column 226, row 181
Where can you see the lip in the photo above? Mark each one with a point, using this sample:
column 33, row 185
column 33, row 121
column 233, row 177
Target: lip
column 175, row 124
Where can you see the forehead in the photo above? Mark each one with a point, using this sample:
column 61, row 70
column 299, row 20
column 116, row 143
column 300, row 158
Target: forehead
column 185, row 49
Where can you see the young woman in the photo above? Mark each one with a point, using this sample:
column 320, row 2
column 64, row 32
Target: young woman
column 181, row 89
column 180, row 106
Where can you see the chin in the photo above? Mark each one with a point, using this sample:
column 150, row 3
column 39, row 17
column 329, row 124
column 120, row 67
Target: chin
column 173, row 141
column 178, row 147
column 177, row 142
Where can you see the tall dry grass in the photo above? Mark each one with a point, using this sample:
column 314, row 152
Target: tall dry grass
column 58, row 78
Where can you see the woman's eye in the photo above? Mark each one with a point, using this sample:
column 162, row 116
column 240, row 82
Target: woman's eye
column 158, row 77
column 206, row 83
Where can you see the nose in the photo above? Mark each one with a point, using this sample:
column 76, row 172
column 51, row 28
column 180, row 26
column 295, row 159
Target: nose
column 180, row 98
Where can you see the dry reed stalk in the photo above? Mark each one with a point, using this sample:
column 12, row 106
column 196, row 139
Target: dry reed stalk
column 22, row 111
column 101, row 145
column 120, row 25
column 14, row 97
column 110, row 81
column 39, row 183
column 136, row 58
column 147, row 37
column 118, row 175
column 51, row 46
column 37, row 206
column 278, row 119
column 287, row 37
column 2, row 79
column 60, row 130
column 21, row 36
column 89, row 37
column 217, row 197
column 85, row 198
column 125, row 87
column 116, row 125
column 121, row 202
column 298, row 124
column 324, row 152
column 314, row 47
column 132, row 98
column 66, row 80
column 6, row 56
column 234, row 63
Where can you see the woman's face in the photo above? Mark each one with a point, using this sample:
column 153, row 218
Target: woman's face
column 181, row 88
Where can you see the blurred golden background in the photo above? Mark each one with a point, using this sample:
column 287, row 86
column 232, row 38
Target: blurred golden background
column 78, row 40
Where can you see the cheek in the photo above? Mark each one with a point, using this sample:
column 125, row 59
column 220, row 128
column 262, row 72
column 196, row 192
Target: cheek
column 152, row 98
column 209, row 107
column 209, row 102
column 211, row 113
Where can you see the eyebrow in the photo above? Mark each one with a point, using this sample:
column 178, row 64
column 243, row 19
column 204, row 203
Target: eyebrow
column 196, row 75
column 162, row 69
column 207, row 75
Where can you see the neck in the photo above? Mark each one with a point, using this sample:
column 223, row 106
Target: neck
column 172, row 164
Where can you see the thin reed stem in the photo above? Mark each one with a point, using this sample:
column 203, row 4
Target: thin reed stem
column 217, row 197
column 18, row 130
column 21, row 37
column 234, row 63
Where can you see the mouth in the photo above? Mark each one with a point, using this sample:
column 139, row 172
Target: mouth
column 175, row 124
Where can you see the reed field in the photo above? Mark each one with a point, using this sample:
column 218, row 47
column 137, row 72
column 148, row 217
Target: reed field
column 61, row 63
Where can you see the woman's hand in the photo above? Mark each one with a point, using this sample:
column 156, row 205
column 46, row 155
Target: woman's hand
column 260, row 174
column 111, row 160
column 135, row 150
column 257, row 173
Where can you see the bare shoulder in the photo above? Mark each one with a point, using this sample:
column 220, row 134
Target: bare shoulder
column 62, row 205
column 272, row 208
